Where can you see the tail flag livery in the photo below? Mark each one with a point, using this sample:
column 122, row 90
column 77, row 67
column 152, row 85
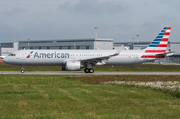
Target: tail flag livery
column 158, row 45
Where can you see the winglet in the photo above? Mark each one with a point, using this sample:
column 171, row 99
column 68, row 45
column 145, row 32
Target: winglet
column 117, row 53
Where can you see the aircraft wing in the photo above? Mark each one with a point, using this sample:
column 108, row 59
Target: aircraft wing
column 99, row 59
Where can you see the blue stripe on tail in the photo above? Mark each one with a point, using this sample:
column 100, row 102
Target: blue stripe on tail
column 153, row 45
column 157, row 39
column 159, row 36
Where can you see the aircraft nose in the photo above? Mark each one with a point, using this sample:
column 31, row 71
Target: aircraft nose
column 7, row 60
column 4, row 60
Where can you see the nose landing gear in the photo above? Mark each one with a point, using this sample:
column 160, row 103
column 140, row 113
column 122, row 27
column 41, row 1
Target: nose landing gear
column 22, row 70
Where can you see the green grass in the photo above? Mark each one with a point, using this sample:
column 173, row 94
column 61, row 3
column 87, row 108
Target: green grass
column 138, row 67
column 58, row 96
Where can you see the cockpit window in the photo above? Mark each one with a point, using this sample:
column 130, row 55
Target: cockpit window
column 12, row 55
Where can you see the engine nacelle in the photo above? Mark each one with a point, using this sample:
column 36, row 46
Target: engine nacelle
column 72, row 66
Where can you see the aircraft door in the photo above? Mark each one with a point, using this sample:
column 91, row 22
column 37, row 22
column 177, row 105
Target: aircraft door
column 22, row 55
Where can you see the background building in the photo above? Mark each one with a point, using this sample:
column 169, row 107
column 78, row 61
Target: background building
column 135, row 45
column 174, row 46
column 142, row 45
column 79, row 44
column 0, row 49
column 7, row 48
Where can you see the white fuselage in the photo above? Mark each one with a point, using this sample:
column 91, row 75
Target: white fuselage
column 59, row 57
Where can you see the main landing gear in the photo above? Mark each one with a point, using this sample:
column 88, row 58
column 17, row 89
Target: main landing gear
column 22, row 70
column 91, row 70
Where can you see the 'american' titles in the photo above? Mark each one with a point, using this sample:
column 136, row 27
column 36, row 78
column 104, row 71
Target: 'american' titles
column 51, row 55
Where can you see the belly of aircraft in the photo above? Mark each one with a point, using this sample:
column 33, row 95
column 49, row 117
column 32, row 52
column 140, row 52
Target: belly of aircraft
column 37, row 62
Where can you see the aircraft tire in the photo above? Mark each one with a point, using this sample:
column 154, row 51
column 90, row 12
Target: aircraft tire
column 86, row 70
column 91, row 70
column 22, row 71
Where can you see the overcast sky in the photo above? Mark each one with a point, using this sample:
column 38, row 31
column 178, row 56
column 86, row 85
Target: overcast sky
column 120, row 20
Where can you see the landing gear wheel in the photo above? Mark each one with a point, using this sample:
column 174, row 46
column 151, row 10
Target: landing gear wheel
column 22, row 71
column 86, row 70
column 91, row 70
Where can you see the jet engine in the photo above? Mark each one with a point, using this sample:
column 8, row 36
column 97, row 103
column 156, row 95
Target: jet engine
column 72, row 66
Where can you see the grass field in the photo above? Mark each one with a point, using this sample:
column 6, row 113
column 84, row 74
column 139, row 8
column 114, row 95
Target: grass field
column 58, row 96
column 139, row 67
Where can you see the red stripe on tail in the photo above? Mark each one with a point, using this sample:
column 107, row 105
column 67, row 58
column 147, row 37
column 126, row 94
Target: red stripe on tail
column 162, row 45
column 167, row 33
column 164, row 39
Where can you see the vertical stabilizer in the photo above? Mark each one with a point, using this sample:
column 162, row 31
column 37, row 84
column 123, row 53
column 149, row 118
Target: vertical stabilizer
column 159, row 44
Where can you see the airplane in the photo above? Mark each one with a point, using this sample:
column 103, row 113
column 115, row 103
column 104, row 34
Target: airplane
column 72, row 60
column 126, row 48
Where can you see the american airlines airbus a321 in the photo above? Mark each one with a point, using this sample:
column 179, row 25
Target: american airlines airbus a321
column 72, row 60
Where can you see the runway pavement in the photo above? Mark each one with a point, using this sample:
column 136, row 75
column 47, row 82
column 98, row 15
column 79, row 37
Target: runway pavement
column 82, row 73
